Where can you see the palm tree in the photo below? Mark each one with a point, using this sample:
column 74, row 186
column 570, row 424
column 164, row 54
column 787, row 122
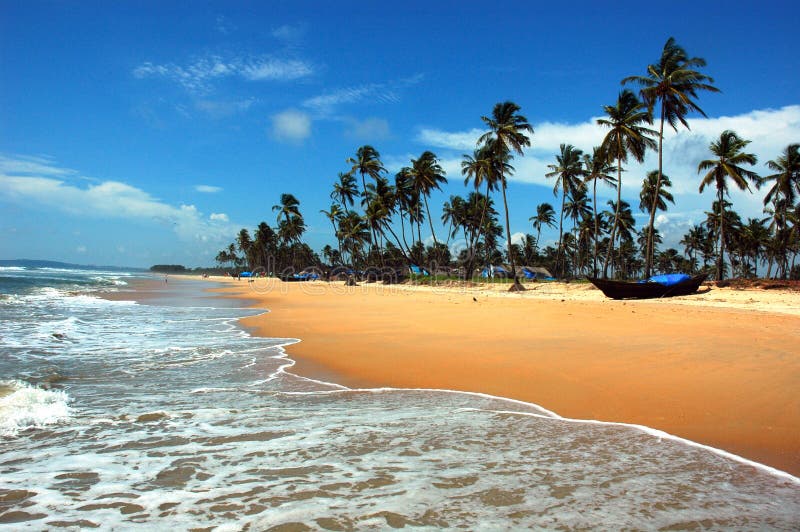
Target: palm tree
column 597, row 168
column 627, row 136
column 673, row 83
column 426, row 175
column 568, row 172
column 289, row 206
column 507, row 133
column 367, row 162
column 545, row 215
column 481, row 167
column 334, row 214
column 727, row 166
column 345, row 190
column 649, row 189
column 693, row 241
column 787, row 181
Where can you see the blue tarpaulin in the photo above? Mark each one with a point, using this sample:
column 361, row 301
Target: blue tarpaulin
column 669, row 279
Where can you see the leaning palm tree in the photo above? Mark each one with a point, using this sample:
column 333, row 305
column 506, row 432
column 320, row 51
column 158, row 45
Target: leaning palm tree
column 507, row 133
column 787, row 182
column 345, row 190
column 569, row 173
column 597, row 168
column 333, row 215
column 626, row 136
column 367, row 162
column 673, row 83
column 426, row 175
column 545, row 215
column 727, row 166
column 288, row 207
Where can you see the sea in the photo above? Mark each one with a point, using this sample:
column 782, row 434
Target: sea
column 167, row 415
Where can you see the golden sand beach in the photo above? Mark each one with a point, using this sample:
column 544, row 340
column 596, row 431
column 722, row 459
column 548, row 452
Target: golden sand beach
column 720, row 367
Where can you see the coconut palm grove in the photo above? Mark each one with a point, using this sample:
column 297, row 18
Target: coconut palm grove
column 377, row 219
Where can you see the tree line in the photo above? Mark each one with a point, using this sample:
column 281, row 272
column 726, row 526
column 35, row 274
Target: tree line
column 378, row 219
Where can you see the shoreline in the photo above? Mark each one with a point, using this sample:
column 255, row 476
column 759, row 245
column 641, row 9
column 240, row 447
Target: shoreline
column 728, row 381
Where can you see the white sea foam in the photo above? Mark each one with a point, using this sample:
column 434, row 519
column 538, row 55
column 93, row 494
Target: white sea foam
column 27, row 407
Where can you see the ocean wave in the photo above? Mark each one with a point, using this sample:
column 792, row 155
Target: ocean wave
column 23, row 406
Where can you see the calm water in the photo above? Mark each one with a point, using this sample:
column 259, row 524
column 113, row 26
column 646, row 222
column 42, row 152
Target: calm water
column 123, row 415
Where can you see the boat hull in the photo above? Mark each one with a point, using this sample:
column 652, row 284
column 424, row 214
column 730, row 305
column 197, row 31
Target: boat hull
column 629, row 290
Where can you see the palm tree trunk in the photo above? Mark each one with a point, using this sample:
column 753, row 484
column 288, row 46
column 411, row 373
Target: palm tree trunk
column 475, row 236
column 616, row 217
column 721, row 258
column 650, row 246
column 516, row 286
column 559, row 270
column 596, row 227
column 430, row 220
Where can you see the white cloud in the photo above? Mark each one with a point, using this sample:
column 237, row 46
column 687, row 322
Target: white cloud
column 223, row 109
column 218, row 217
column 291, row 125
column 32, row 165
column 369, row 129
column 81, row 249
column 207, row 189
column 516, row 238
column 289, row 33
column 389, row 92
column 197, row 76
column 105, row 200
column 465, row 141
column 769, row 130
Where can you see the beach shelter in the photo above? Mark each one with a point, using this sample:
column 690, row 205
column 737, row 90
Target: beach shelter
column 416, row 270
column 535, row 272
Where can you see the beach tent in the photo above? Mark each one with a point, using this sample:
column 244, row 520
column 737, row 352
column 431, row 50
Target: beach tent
column 535, row 272
column 416, row 270
column 246, row 274
column 496, row 271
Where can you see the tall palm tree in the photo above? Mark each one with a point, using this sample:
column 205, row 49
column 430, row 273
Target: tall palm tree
column 597, row 168
column 289, row 206
column 626, row 136
column 367, row 162
column 569, row 173
column 345, row 190
column 649, row 189
column 426, row 175
column 507, row 133
column 545, row 215
column 727, row 166
column 673, row 82
column 482, row 167
column 333, row 215
column 787, row 182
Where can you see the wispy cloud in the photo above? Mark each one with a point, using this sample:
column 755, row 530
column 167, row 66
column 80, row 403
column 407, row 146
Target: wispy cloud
column 371, row 92
column 223, row 109
column 289, row 33
column 29, row 181
column 198, row 76
column 207, row 189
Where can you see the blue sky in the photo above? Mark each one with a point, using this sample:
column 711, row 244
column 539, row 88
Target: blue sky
column 135, row 133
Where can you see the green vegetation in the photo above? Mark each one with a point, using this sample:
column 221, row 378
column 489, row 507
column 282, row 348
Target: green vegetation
column 364, row 219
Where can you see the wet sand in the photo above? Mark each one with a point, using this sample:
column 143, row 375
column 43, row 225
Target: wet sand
column 720, row 367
